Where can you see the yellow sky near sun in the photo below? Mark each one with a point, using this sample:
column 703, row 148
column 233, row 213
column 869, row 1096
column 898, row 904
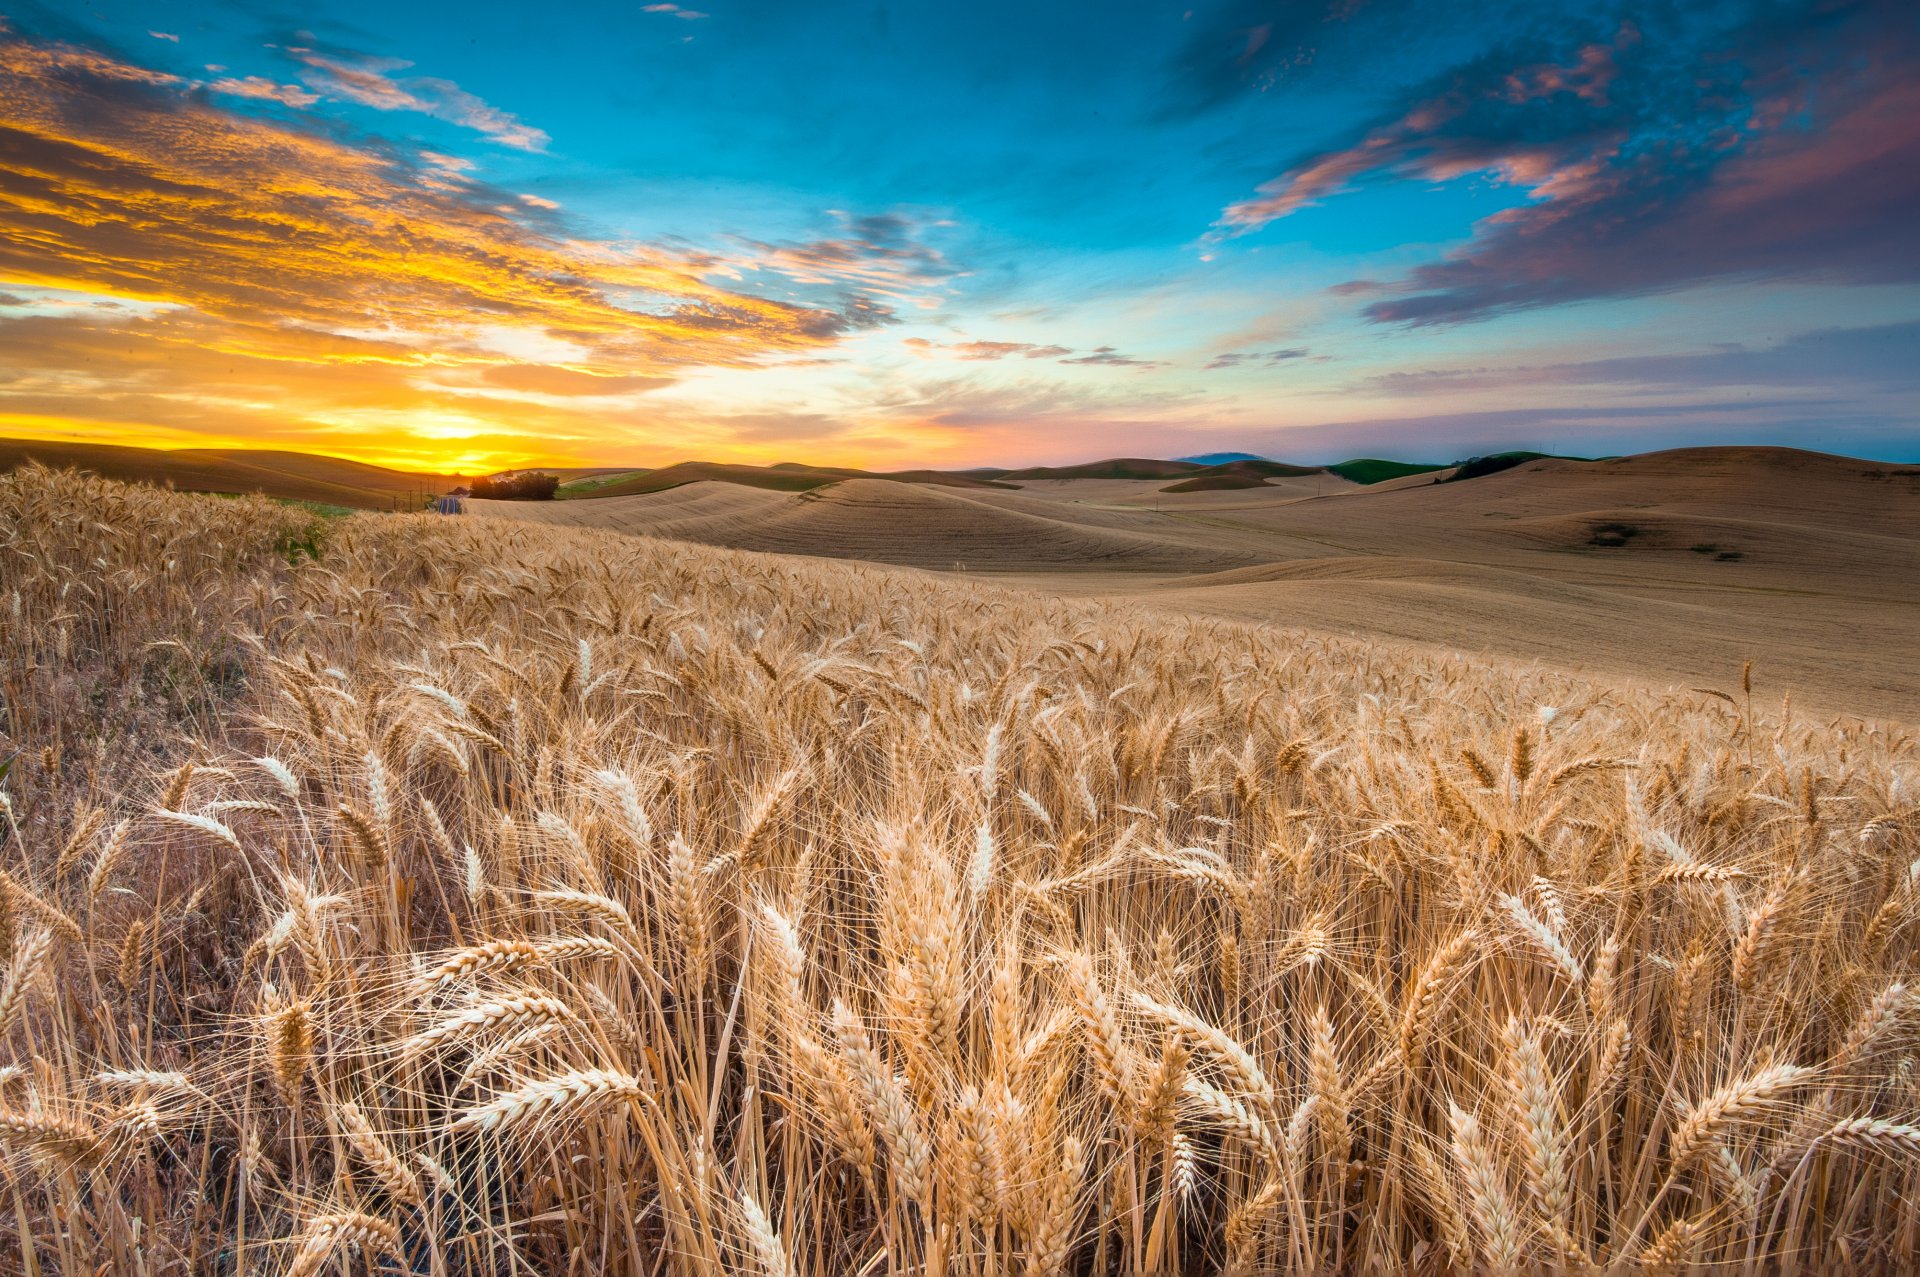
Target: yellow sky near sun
column 184, row 275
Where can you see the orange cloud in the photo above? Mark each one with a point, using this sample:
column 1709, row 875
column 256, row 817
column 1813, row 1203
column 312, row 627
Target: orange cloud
column 226, row 275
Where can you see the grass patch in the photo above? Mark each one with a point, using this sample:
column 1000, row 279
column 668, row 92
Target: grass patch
column 322, row 509
column 593, row 483
column 1370, row 470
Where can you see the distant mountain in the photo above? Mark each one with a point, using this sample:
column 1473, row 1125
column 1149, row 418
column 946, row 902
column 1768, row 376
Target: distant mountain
column 1221, row 458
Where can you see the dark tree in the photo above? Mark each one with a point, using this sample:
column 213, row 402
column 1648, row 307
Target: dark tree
column 517, row 485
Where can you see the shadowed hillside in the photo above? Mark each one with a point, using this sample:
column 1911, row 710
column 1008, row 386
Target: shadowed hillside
column 295, row 476
column 786, row 477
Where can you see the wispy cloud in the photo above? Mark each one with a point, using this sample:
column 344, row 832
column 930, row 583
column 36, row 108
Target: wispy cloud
column 1236, row 358
column 369, row 81
column 261, row 89
column 883, row 254
column 1107, row 356
column 985, row 351
column 674, row 10
column 993, row 351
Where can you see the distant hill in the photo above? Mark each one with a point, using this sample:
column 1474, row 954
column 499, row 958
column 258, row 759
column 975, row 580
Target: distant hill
column 1250, row 472
column 1495, row 462
column 1112, row 468
column 1221, row 458
column 1370, row 470
column 296, row 476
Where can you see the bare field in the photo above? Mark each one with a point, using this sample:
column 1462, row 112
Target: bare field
column 475, row 897
column 1670, row 568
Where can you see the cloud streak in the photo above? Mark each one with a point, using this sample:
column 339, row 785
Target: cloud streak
column 994, row 351
column 1236, row 358
column 1108, row 357
column 369, row 81
column 987, row 351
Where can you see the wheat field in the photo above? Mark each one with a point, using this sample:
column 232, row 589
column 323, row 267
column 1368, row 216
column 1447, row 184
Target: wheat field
column 451, row 896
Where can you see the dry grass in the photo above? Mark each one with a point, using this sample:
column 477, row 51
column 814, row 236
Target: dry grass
column 547, row 901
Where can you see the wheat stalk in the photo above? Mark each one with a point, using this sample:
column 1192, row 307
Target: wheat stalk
column 326, row 1235
column 548, row 1099
column 495, row 1016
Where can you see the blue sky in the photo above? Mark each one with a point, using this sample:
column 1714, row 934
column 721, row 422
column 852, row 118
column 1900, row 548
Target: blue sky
column 890, row 234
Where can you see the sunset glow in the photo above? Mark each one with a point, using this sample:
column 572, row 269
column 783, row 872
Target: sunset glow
column 931, row 238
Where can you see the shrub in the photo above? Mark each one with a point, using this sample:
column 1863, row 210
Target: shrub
column 1481, row 467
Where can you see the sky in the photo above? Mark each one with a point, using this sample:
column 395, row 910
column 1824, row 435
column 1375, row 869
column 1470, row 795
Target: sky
column 468, row 236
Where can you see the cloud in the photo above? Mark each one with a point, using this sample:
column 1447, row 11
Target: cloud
column 989, row 350
column 880, row 253
column 547, row 379
column 1653, row 155
column 368, row 80
column 165, row 35
column 675, row 11
column 261, row 89
column 1109, row 357
column 1233, row 359
column 1863, row 360
column 241, row 277
column 1257, row 45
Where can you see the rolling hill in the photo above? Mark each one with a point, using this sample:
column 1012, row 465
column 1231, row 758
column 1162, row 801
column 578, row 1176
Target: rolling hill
column 785, row 477
column 1673, row 566
column 881, row 521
